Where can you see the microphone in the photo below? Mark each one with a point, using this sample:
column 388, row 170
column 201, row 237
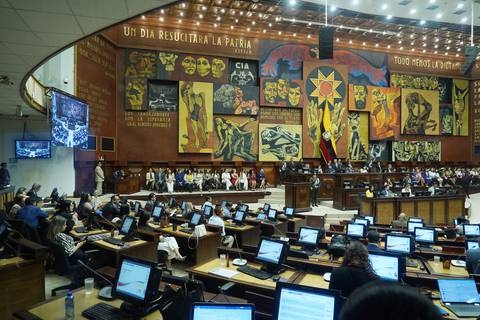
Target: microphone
column 108, row 221
column 282, row 234
column 106, row 292
column 238, row 261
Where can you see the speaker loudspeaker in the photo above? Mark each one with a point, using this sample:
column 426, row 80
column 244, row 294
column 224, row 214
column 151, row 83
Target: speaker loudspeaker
column 325, row 43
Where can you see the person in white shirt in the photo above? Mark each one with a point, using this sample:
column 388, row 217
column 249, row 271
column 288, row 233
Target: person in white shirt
column 198, row 179
column 243, row 180
column 217, row 220
column 226, row 179
column 170, row 245
column 407, row 189
column 170, row 176
column 99, row 177
column 208, row 202
column 150, row 179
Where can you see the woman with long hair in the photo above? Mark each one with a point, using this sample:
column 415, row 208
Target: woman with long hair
column 56, row 233
column 355, row 270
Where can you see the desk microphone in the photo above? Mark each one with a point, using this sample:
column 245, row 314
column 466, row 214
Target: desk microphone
column 110, row 223
column 238, row 261
column 282, row 234
column 106, row 292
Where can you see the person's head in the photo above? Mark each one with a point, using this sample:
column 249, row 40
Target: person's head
column 208, row 199
column 402, row 216
column 115, row 199
column 218, row 211
column 356, row 255
column 3, row 165
column 99, row 163
column 29, row 201
column 57, row 225
column 20, row 200
column 373, row 237
column 152, row 197
column 372, row 188
column 36, row 187
column 391, row 301
column 21, row 190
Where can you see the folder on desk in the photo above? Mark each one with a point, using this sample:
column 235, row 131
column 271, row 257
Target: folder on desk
column 223, row 272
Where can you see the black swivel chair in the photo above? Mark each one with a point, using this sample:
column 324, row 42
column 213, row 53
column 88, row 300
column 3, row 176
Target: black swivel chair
column 162, row 261
column 65, row 268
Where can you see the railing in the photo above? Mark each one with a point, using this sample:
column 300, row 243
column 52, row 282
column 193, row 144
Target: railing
column 34, row 93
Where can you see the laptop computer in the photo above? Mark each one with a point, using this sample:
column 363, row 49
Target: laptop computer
column 460, row 296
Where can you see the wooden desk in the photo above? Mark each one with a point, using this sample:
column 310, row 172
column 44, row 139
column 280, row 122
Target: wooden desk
column 6, row 195
column 79, row 235
column 141, row 249
column 54, row 309
column 205, row 250
column 127, row 186
column 436, row 268
column 297, row 196
column 434, row 210
column 312, row 280
column 246, row 234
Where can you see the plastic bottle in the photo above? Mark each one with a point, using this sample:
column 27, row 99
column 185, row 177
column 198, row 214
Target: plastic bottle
column 69, row 306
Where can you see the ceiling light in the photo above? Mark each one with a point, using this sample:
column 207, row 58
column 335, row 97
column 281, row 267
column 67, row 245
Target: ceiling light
column 439, row 16
column 231, row 27
column 384, row 33
column 181, row 13
column 464, row 19
column 161, row 19
column 457, row 55
column 458, row 49
column 277, row 19
column 413, row 11
column 424, row 37
column 249, row 14
column 222, row 10
column 143, row 17
column 309, row 36
column 355, row 2
column 399, row 34
column 389, row 17
column 198, row 23
column 350, row 41
column 204, row 8
column 436, row 46
column 371, row 30
column 461, row 43
column 253, row 23
column 363, row 43
column 413, row 49
column 269, row 25
column 449, row 41
column 236, row 20
column 424, row 50
column 401, row 48
column 218, row 18
column 279, row 33
column 412, row 36
column 260, row 15
column 460, row 5
column 424, row 45
column 294, row 34
column 162, row 11
column 293, row 20
column 241, row 13
column 412, row 43
column 399, row 41
column 446, row 53
column 384, row 7
column 389, row 46
column 200, row 16
column 309, row 24
column 356, row 28
column 293, row 2
column 422, row 22
column 183, row 5
column 448, row 47
column 215, row 25
column 376, row 45
column 437, row 39
column 436, row 52
column 264, row 30
column 432, row 1
column 338, row 40
column 248, row 29
column 179, row 20
column 333, row 8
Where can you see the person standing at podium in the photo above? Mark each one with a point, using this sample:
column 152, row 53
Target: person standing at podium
column 99, row 177
column 314, row 187
column 292, row 166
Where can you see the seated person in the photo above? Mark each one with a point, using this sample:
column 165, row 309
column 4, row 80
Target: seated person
column 18, row 203
column 33, row 193
column 217, row 220
column 386, row 192
column 150, row 179
column 407, row 189
column 226, row 179
column 151, row 201
column 66, row 210
column 56, row 233
column 373, row 238
column 54, row 196
column 370, row 193
column 243, row 180
column 208, row 202
column 189, row 183
column 228, row 210
column 31, row 214
column 112, row 208
column 355, row 270
column 472, row 260
column 234, row 179
column 170, row 245
column 262, row 179
column 85, row 206
column 401, row 221
column 460, row 222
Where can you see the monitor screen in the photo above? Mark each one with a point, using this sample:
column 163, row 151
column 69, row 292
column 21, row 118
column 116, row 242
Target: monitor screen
column 361, row 221
column 387, row 267
column 415, row 220
column 471, row 230
column 127, row 225
column 243, row 207
column 223, row 203
column 272, row 214
column 239, row 215
column 157, row 212
column 69, row 121
column 266, row 206
column 215, row 311
column 207, row 211
column 289, row 212
column 137, row 206
column 183, row 206
column 425, row 235
column 308, row 236
column 133, row 279
column 355, row 230
column 458, row 290
column 370, row 219
column 270, row 251
column 295, row 302
column 196, row 218
column 472, row 244
column 412, row 225
column 261, row 216
column 33, row 149
column 398, row 244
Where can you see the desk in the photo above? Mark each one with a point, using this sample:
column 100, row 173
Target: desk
column 145, row 250
column 312, row 280
column 6, row 195
column 54, row 309
column 246, row 234
column 127, row 186
column 436, row 268
column 79, row 235
column 434, row 210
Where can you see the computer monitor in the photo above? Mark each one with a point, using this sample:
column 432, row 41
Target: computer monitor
column 136, row 282
column 411, row 225
column 356, row 230
column 223, row 203
column 271, row 253
column 386, row 266
column 471, row 244
column 207, row 211
column 157, row 213
column 183, row 206
column 425, row 235
column 137, row 206
column 128, row 226
column 294, row 301
column 261, row 216
column 272, row 214
column 458, row 291
column 399, row 243
column 309, row 237
column 196, row 219
column 471, row 230
column 266, row 207
column 371, row 219
column 289, row 212
column 239, row 217
column 361, row 221
column 415, row 220
column 243, row 207
column 219, row 311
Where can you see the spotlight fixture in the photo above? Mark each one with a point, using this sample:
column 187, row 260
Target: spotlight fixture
column 198, row 23
column 264, row 30
column 389, row 17
column 389, row 46
column 309, row 36
column 422, row 22
column 161, row 19
column 384, row 6
column 376, row 45
column 183, row 5
column 439, row 16
column 143, row 17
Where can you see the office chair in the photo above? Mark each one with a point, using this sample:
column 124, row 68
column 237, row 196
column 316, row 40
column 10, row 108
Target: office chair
column 63, row 267
column 25, row 230
column 162, row 261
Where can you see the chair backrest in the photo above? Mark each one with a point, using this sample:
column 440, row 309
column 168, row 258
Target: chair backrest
column 162, row 256
column 62, row 264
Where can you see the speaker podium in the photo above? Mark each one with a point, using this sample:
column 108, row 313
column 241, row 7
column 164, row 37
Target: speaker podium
column 297, row 192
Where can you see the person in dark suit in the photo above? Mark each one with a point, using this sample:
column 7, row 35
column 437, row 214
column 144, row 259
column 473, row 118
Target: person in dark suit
column 4, row 175
column 373, row 238
column 31, row 214
column 292, row 166
column 355, row 270
column 112, row 208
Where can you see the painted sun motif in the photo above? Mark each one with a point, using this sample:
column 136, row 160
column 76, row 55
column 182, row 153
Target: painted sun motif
column 325, row 88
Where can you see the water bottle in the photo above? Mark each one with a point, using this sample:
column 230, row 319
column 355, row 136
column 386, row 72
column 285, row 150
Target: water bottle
column 69, row 306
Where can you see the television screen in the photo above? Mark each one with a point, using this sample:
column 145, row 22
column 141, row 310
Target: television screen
column 33, row 149
column 69, row 121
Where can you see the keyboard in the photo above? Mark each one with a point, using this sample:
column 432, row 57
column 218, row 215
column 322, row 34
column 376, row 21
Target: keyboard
column 465, row 310
column 186, row 230
column 103, row 311
column 295, row 252
column 114, row 241
column 257, row 273
column 97, row 237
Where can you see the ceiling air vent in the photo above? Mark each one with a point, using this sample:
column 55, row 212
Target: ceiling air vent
column 404, row 2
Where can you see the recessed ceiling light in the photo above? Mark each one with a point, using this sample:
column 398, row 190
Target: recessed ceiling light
column 143, row 17
column 432, row 1
column 337, row 39
column 384, row 7
column 183, row 5
column 376, row 45
column 356, row 28
column 162, row 11
column 204, row 8
column 449, row 41
column 294, row 34
column 279, row 33
column 448, row 47
column 249, row 14
column 248, row 29
column 446, row 53
column 355, row 2
column 292, row 2
column 384, row 33
column 399, row 34
column 399, row 41
column 464, row 19
column 333, row 8
column 389, row 17
column 161, row 19
column 413, row 11
column 412, row 36
column 241, row 13
column 436, row 51
column 179, row 20
column 270, row 25
column 436, row 46
column 260, row 15
column 458, row 49
column 231, row 27
column 439, row 16
column 222, row 10
column 457, row 55
column 424, row 50
column 309, row 24
column 264, row 30
column 218, row 18
column 389, row 46
column 181, row 13
column 371, row 30
column 401, row 48
column 424, row 45
column 460, row 5
column 309, row 36
column 350, row 41
column 413, row 49
column 437, row 39
column 422, row 22
column 461, row 43
column 236, row 20
column 253, row 23
column 424, row 37
column 215, row 25
column 200, row 16
column 363, row 43
column 412, row 43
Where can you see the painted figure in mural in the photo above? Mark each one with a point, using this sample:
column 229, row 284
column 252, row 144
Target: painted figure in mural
column 234, row 139
column 226, row 96
column 241, row 74
column 280, row 142
column 380, row 111
column 360, row 96
column 294, row 94
column 135, row 91
column 270, row 91
column 140, row 65
column 356, row 149
column 375, row 151
column 336, row 123
column 218, row 68
column 195, row 103
column 189, row 65
column 203, row 66
column 447, row 124
column 168, row 59
column 282, row 88
column 459, row 106
column 418, row 119
column 314, row 122
column 244, row 106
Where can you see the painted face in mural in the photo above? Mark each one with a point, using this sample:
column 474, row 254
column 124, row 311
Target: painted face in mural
column 360, row 96
column 282, row 88
column 270, row 91
column 189, row 65
column 218, row 68
column 135, row 92
column 168, row 59
column 294, row 94
column 203, row 66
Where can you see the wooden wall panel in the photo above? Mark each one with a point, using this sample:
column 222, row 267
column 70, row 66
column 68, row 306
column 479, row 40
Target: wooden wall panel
column 408, row 208
column 423, row 210
column 438, row 212
column 384, row 212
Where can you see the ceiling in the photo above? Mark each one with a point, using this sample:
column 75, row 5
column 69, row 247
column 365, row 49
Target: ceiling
column 32, row 30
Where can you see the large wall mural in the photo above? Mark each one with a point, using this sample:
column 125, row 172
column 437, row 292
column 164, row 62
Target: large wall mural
column 365, row 68
column 235, row 138
column 461, row 102
column 416, row 151
column 420, row 112
column 279, row 142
